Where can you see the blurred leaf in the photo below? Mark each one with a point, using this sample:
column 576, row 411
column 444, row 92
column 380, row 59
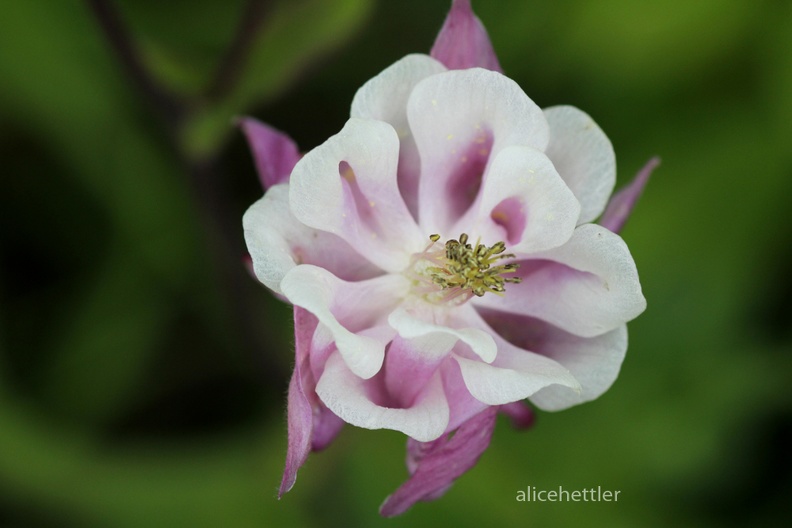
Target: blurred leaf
column 68, row 91
column 67, row 87
column 182, row 41
column 296, row 35
column 670, row 41
column 217, row 483
column 99, row 359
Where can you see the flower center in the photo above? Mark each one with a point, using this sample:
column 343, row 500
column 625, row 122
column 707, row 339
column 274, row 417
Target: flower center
column 457, row 271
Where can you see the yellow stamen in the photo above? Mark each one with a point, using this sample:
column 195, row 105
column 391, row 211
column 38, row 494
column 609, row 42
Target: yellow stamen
column 461, row 270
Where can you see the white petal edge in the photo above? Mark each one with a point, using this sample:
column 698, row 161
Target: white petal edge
column 584, row 305
column 363, row 303
column 318, row 199
column 439, row 336
column 595, row 362
column 596, row 250
column 345, row 394
column 277, row 242
column 583, row 156
column 269, row 225
column 527, row 176
column 515, row 375
column 452, row 111
column 384, row 97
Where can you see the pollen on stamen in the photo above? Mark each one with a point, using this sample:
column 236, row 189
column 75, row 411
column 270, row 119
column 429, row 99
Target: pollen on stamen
column 459, row 270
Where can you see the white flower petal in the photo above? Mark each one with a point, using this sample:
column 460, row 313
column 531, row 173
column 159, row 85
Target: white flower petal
column 345, row 394
column 439, row 338
column 514, row 375
column 385, row 98
column 525, row 201
column 277, row 242
column 587, row 287
column 595, row 362
column 347, row 309
column 583, row 156
column 347, row 186
column 459, row 120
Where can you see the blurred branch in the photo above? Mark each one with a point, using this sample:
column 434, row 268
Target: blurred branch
column 171, row 109
column 221, row 224
column 233, row 62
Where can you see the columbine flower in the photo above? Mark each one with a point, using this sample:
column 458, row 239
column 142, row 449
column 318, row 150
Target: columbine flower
column 441, row 259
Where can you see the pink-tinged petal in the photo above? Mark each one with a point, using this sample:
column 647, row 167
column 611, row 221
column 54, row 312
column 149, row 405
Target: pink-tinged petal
column 384, row 98
column 299, row 409
column 462, row 404
column 349, row 397
column 583, row 156
column 441, row 338
column 347, row 309
column 347, row 186
column 439, row 464
column 520, row 414
column 460, row 121
column 622, row 203
column 524, row 202
column 594, row 361
column 587, row 287
column 463, row 42
column 274, row 153
column 409, row 366
column 515, row 375
column 278, row 242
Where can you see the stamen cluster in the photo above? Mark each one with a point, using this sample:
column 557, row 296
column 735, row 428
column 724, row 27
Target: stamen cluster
column 464, row 270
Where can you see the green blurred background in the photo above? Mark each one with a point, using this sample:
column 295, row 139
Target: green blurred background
column 143, row 372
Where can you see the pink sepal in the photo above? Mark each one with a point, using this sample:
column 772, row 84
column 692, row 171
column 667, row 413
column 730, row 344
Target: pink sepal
column 463, row 42
column 621, row 204
column 435, row 465
column 274, row 153
column 520, row 414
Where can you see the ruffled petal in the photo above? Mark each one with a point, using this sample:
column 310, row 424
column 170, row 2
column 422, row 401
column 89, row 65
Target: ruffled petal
column 409, row 365
column 463, row 41
column 594, row 361
column 462, row 404
column 384, row 98
column 587, row 287
column 347, row 309
column 347, row 186
column 274, row 153
column 524, row 202
column 438, row 464
column 583, row 156
column 515, row 375
column 278, row 242
column 347, row 395
column 460, row 120
column 440, row 338
column 622, row 203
